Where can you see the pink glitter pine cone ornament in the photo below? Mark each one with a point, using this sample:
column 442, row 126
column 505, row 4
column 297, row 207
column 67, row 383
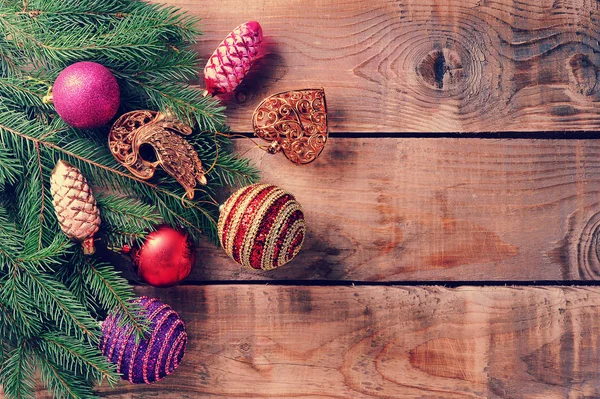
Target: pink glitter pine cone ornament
column 151, row 359
column 232, row 59
column 86, row 95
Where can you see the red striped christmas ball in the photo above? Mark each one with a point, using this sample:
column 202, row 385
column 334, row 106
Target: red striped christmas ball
column 151, row 359
column 261, row 227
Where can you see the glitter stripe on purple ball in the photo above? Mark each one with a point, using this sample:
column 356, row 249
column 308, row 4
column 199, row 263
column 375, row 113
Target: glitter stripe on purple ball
column 153, row 347
column 145, row 361
column 128, row 335
column 176, row 353
column 161, row 355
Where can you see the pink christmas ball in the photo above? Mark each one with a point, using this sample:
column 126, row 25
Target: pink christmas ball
column 86, row 95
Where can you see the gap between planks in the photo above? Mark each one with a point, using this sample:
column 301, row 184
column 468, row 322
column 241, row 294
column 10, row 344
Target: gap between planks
column 537, row 135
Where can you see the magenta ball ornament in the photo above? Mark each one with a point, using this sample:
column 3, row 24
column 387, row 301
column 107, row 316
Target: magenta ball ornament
column 86, row 95
column 151, row 359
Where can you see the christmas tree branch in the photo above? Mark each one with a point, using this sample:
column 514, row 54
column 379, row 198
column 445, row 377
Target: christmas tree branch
column 77, row 357
column 50, row 294
column 126, row 212
column 61, row 380
column 114, row 292
column 186, row 102
column 60, row 306
column 17, row 300
column 18, row 373
column 10, row 168
column 42, row 195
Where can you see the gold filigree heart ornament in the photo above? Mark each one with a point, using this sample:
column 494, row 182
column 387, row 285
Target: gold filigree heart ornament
column 295, row 122
column 163, row 133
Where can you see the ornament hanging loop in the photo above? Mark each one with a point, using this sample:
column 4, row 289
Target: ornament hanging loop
column 48, row 98
column 274, row 148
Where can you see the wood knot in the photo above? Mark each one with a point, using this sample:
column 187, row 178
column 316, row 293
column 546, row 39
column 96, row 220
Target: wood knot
column 245, row 347
column 441, row 69
column 588, row 250
column 583, row 75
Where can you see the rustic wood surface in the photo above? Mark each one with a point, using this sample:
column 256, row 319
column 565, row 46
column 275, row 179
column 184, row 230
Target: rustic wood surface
column 422, row 65
column 383, row 342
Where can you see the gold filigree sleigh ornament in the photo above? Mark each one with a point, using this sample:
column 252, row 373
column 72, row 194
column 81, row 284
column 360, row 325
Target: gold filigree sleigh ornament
column 295, row 122
column 163, row 133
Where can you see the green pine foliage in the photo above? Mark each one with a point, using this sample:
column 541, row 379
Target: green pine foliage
column 51, row 295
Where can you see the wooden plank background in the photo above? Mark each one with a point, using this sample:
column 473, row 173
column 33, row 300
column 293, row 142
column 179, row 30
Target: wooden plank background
column 422, row 65
column 383, row 342
column 393, row 208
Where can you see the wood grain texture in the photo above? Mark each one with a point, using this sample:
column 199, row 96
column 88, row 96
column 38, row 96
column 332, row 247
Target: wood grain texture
column 422, row 65
column 383, row 342
column 436, row 210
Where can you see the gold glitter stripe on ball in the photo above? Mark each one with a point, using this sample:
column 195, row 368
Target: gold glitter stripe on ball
column 237, row 217
column 267, row 261
column 250, row 237
column 224, row 230
column 295, row 229
column 225, row 212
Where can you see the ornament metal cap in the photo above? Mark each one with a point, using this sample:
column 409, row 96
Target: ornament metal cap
column 295, row 122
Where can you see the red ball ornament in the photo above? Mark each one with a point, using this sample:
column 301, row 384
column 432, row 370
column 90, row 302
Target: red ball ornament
column 86, row 95
column 166, row 257
column 261, row 227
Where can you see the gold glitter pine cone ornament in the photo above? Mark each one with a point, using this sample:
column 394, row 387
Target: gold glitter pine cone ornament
column 294, row 122
column 163, row 133
column 75, row 205
column 261, row 226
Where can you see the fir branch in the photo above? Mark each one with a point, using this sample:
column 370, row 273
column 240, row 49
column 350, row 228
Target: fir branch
column 101, row 12
column 17, row 301
column 22, row 93
column 59, row 304
column 130, row 37
column 126, row 212
column 186, row 102
column 126, row 220
column 49, row 292
column 11, row 59
column 10, row 168
column 42, row 195
column 18, row 373
column 174, row 64
column 77, row 357
column 11, row 239
column 72, row 277
column 60, row 380
column 173, row 207
column 34, row 214
column 47, row 256
column 115, row 293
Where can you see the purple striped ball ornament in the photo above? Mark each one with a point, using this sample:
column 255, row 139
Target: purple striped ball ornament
column 261, row 227
column 151, row 359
